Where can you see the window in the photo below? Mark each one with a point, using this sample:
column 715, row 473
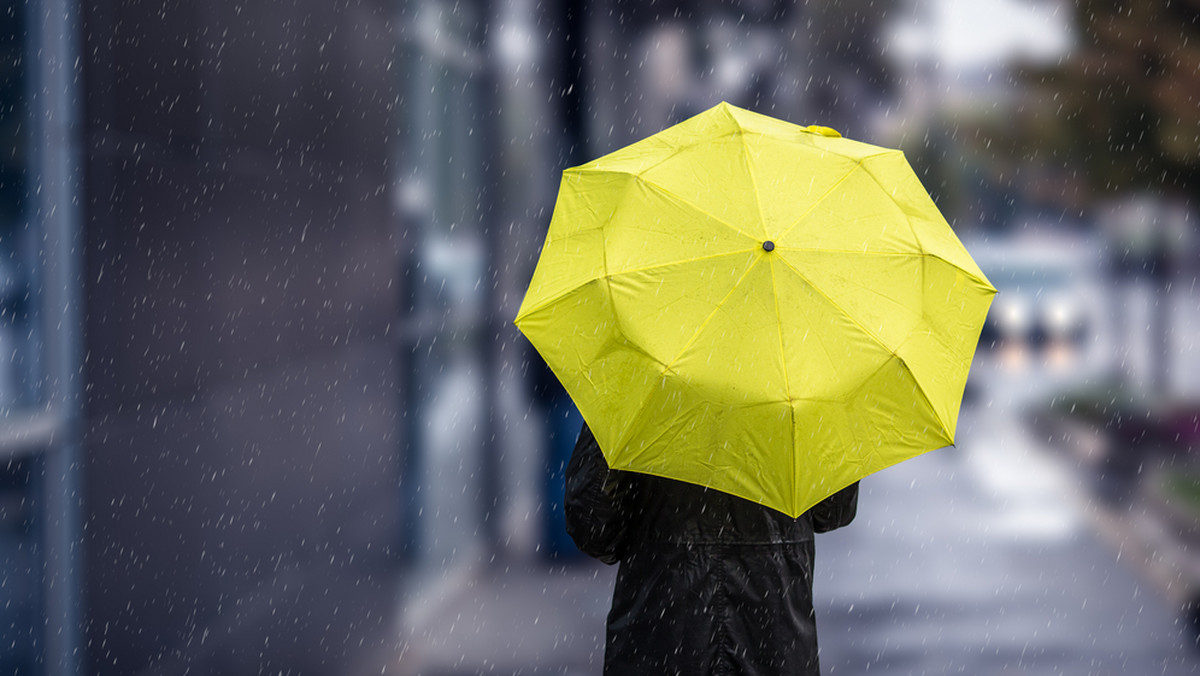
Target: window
column 39, row 619
column 442, row 192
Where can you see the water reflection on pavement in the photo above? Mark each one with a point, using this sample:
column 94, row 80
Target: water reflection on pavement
column 982, row 560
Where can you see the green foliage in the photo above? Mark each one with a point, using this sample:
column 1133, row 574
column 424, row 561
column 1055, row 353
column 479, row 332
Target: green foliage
column 1126, row 103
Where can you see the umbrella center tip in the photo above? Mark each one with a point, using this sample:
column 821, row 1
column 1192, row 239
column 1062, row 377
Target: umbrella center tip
column 768, row 245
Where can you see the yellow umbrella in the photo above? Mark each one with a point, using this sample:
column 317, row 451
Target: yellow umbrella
column 769, row 310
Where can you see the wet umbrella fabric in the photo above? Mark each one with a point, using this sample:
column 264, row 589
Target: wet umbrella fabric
column 765, row 309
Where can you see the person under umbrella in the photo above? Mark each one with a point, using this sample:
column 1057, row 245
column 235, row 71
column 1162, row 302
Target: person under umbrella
column 751, row 316
column 709, row 583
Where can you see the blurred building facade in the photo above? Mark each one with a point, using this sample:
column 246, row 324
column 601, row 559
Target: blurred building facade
column 40, row 329
column 200, row 441
column 250, row 323
column 240, row 289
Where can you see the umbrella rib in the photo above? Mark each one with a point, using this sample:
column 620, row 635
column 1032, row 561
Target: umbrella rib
column 892, row 196
column 872, row 336
column 787, row 382
column 897, row 254
column 816, row 289
column 928, row 402
column 679, row 149
column 862, row 252
column 916, row 237
column 670, row 364
column 704, row 324
column 682, row 261
column 890, row 254
column 609, row 275
column 817, row 202
column 662, row 190
column 587, row 168
column 623, row 442
column 688, row 203
column 924, row 395
column 526, row 311
column 754, row 183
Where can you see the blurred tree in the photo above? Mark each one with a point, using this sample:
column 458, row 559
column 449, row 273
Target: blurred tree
column 1123, row 111
column 1126, row 104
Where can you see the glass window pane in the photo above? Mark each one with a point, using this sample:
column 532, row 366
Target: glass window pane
column 20, row 568
column 441, row 191
column 18, row 340
column 21, row 466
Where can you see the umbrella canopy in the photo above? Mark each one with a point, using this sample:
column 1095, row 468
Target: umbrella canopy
column 765, row 309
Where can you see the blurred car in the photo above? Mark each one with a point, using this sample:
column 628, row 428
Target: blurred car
column 1050, row 320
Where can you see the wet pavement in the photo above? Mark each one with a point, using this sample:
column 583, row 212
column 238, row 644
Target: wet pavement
column 505, row 620
column 984, row 560
column 978, row 560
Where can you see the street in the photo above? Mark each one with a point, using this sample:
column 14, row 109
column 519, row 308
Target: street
column 983, row 560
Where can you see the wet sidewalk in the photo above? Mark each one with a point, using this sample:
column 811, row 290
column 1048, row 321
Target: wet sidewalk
column 534, row 619
column 984, row 559
column 988, row 559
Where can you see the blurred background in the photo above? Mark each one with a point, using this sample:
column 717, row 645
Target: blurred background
column 262, row 407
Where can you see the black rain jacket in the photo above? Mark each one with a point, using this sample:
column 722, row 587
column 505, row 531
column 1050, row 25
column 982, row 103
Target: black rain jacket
column 708, row 583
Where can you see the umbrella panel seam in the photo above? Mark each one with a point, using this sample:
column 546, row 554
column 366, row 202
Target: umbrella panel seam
column 669, row 367
column 787, row 382
column 716, row 308
column 945, row 427
column 916, row 237
column 877, row 458
column 841, row 310
column 607, row 278
column 683, row 261
column 892, row 196
column 876, row 339
column 781, row 137
column 667, row 193
column 670, row 156
column 816, row 203
column 566, row 292
column 762, row 219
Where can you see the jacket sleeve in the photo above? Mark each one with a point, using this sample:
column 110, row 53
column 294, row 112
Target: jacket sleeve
column 836, row 510
column 596, row 501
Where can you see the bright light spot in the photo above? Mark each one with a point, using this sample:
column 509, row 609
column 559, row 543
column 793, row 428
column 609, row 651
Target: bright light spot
column 984, row 33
